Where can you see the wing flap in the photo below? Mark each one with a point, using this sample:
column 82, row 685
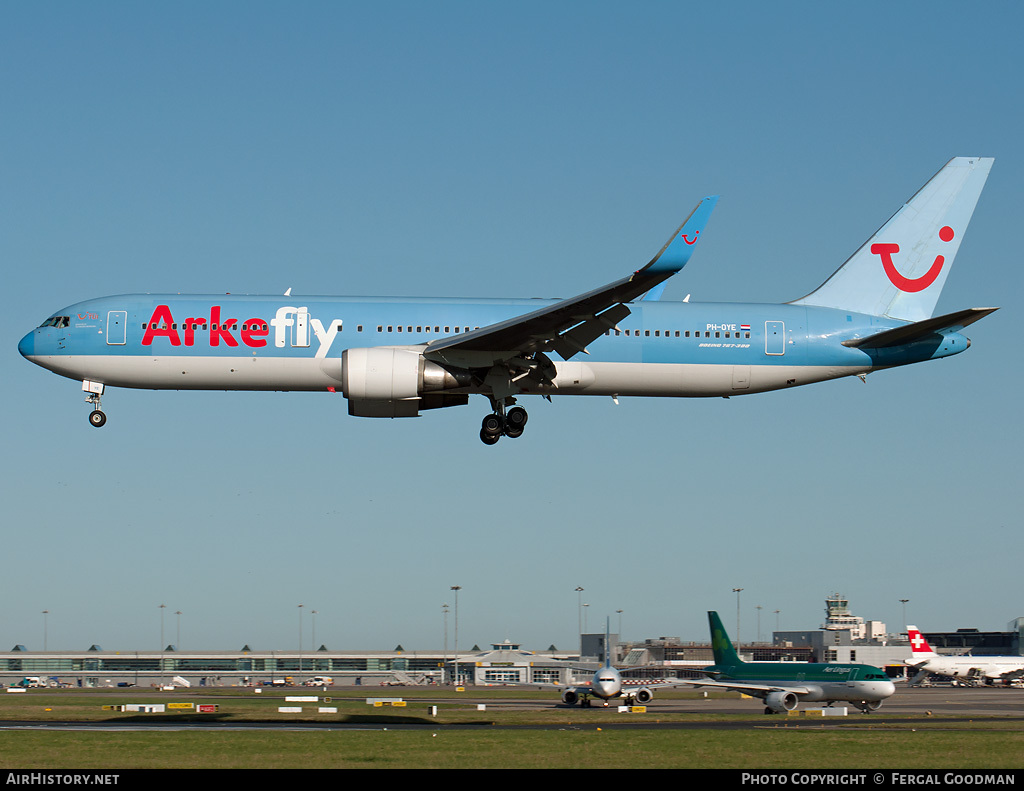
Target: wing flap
column 579, row 337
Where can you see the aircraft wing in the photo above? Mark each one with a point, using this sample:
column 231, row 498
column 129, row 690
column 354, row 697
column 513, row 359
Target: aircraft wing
column 567, row 326
column 653, row 685
column 757, row 690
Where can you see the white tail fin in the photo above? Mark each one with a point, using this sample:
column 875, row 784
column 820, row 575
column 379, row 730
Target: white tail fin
column 918, row 645
column 900, row 271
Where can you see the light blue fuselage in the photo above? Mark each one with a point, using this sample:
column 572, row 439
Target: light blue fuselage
column 234, row 342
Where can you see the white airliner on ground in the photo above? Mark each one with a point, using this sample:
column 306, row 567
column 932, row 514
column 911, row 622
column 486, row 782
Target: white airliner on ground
column 395, row 357
column 607, row 684
column 966, row 667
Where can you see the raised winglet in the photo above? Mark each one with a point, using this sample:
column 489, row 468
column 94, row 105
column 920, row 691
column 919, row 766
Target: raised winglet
column 678, row 249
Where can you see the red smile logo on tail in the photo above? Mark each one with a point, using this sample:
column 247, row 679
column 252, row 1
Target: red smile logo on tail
column 912, row 285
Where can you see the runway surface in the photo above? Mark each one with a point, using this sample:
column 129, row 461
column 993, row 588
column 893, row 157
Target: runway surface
column 948, row 705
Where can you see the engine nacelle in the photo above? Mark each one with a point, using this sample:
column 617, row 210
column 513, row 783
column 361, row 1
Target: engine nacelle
column 570, row 697
column 781, row 701
column 643, row 695
column 387, row 381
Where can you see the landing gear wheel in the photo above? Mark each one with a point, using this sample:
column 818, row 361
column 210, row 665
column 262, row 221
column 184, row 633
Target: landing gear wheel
column 97, row 418
column 515, row 422
column 492, row 424
column 489, row 439
column 516, row 417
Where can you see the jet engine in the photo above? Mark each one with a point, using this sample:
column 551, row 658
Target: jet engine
column 570, row 697
column 643, row 695
column 387, row 381
column 781, row 701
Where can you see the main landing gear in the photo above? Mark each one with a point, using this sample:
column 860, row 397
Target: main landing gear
column 510, row 424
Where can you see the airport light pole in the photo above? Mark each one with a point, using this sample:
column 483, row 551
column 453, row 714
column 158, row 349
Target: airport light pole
column 620, row 623
column 162, row 608
column 758, row 608
column 904, row 603
column 46, row 613
column 177, row 639
column 300, row 641
column 444, row 609
column 456, row 588
column 579, row 617
column 737, row 591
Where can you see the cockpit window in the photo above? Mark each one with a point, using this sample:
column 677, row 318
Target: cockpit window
column 56, row 321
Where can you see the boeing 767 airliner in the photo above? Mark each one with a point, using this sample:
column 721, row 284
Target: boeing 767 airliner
column 394, row 357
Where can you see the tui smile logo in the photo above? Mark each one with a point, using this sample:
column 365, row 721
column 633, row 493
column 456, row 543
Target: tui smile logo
column 911, row 285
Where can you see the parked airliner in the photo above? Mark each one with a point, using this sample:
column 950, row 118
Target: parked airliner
column 607, row 683
column 395, row 357
column 965, row 667
column 783, row 685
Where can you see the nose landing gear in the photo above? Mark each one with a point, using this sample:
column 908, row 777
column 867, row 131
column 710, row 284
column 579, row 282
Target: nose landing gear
column 94, row 390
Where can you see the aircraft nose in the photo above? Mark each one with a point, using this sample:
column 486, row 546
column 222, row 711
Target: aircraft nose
column 27, row 346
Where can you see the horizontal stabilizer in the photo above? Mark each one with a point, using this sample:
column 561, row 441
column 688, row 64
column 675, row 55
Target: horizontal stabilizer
column 899, row 336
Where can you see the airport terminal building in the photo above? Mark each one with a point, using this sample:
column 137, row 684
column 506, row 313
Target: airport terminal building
column 98, row 668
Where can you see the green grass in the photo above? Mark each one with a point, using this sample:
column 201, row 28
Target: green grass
column 515, row 749
column 560, row 738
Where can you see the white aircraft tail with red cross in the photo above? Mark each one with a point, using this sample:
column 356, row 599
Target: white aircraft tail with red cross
column 919, row 647
column 900, row 271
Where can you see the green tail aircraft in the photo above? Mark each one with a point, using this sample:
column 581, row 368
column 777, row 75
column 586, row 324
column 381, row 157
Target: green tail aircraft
column 783, row 685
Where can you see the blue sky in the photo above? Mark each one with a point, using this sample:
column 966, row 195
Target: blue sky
column 484, row 149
